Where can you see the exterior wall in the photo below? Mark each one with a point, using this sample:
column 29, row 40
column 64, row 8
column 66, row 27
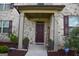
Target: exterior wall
column 29, row 25
column 13, row 15
column 30, row 29
column 70, row 9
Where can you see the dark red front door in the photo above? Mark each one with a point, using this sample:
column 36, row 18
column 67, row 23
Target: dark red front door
column 39, row 32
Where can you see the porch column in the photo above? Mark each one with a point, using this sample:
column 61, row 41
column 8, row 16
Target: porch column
column 55, row 33
column 21, row 25
column 53, row 30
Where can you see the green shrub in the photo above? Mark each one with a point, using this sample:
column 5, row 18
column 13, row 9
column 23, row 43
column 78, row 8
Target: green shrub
column 4, row 49
column 13, row 38
column 73, row 40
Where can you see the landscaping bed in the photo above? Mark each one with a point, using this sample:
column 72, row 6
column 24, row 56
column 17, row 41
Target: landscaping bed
column 17, row 52
column 4, row 50
column 61, row 53
column 14, row 51
column 9, row 44
column 13, row 46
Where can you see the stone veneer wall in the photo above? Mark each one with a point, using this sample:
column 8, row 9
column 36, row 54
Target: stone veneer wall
column 13, row 15
column 30, row 29
column 70, row 9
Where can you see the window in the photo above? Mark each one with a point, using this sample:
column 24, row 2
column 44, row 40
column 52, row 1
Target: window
column 73, row 22
column 4, row 26
column 40, row 4
column 70, row 22
column 4, row 7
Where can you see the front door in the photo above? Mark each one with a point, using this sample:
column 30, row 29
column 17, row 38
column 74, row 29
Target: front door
column 39, row 32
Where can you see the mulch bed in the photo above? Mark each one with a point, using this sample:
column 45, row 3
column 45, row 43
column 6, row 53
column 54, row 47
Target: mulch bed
column 60, row 53
column 9, row 44
column 17, row 52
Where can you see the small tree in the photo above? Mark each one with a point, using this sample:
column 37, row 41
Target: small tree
column 73, row 39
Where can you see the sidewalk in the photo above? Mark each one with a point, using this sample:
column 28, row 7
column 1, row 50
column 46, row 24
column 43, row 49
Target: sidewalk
column 36, row 50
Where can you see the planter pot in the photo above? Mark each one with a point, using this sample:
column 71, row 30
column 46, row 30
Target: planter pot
column 26, row 45
column 66, row 50
column 3, row 54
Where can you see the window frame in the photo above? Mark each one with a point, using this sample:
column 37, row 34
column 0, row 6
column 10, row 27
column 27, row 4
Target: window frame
column 2, row 27
column 4, row 7
column 66, row 24
column 75, row 19
column 72, row 27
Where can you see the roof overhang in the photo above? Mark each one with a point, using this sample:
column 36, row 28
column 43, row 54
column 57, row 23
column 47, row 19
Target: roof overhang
column 38, row 15
column 39, row 7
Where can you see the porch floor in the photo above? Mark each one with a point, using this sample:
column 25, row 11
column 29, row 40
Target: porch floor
column 36, row 50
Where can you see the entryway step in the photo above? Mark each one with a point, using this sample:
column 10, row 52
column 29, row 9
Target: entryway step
column 36, row 50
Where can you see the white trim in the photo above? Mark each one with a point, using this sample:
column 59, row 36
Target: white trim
column 21, row 30
column 39, row 11
column 3, row 27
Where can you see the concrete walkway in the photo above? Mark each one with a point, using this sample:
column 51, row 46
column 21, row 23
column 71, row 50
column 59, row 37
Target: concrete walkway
column 36, row 50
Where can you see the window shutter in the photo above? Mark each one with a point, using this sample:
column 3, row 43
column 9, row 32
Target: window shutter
column 10, row 26
column 11, row 5
column 66, row 25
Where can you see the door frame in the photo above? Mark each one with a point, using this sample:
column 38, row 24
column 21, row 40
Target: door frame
column 43, row 32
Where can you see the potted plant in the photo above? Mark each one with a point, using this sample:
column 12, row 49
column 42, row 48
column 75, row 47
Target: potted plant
column 50, row 44
column 4, row 50
column 25, row 42
column 50, row 48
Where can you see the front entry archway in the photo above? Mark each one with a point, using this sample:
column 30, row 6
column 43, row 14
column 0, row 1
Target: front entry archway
column 46, row 10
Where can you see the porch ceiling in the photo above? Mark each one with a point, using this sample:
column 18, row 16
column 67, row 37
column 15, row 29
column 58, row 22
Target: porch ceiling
column 39, row 7
column 38, row 15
